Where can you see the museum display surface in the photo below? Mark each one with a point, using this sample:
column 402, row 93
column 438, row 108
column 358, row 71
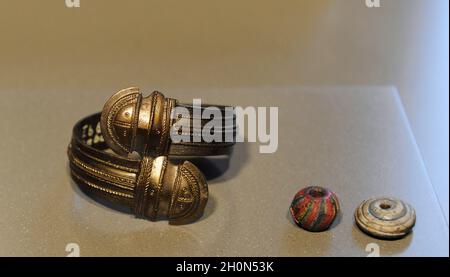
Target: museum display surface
column 354, row 141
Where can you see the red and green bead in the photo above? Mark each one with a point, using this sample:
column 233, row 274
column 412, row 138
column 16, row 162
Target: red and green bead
column 315, row 208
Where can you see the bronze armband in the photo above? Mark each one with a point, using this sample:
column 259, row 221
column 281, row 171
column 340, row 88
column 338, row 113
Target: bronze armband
column 151, row 185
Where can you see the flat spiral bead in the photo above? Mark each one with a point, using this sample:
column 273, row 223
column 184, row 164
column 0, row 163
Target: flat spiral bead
column 385, row 218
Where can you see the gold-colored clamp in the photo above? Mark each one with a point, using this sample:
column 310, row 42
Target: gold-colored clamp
column 163, row 190
column 131, row 122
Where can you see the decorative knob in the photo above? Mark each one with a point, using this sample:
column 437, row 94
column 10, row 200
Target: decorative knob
column 131, row 122
column 164, row 190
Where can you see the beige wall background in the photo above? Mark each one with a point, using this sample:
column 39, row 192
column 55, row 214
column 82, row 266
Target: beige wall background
column 107, row 45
